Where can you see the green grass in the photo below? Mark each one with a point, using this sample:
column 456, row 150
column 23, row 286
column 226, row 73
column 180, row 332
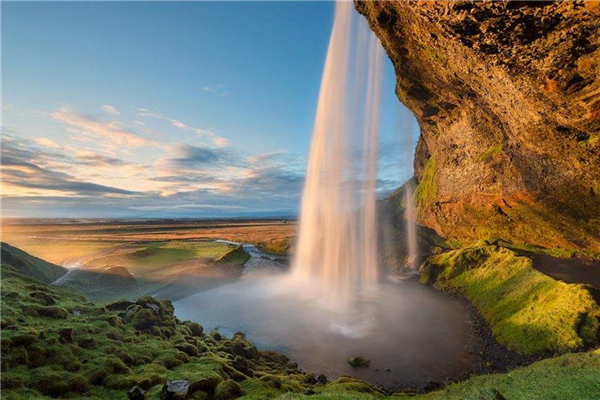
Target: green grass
column 426, row 191
column 160, row 253
column 237, row 255
column 571, row 376
column 109, row 355
column 528, row 311
column 278, row 247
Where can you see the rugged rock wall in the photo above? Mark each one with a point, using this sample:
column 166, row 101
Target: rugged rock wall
column 507, row 95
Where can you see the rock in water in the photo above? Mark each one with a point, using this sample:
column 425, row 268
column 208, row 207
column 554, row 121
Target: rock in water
column 359, row 362
column 136, row 393
column 175, row 390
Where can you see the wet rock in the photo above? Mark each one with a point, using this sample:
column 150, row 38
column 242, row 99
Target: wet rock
column 175, row 390
column 43, row 298
column 136, row 393
column 359, row 362
column 66, row 335
column 309, row 392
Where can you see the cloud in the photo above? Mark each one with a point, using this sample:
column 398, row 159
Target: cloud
column 6, row 107
column 26, row 170
column 209, row 133
column 110, row 109
column 97, row 160
column 193, row 157
column 142, row 112
column 45, row 142
column 115, row 135
column 218, row 90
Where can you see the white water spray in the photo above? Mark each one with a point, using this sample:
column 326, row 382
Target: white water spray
column 337, row 243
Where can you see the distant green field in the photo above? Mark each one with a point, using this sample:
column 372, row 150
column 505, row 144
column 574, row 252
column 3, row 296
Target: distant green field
column 158, row 253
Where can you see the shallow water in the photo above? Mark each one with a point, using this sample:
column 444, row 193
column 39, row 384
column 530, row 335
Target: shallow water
column 411, row 333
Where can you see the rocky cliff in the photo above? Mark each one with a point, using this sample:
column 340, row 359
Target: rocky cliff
column 507, row 96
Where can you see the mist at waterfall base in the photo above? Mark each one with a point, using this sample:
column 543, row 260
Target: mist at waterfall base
column 335, row 302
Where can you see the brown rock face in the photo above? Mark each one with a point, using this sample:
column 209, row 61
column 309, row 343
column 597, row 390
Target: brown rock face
column 507, row 95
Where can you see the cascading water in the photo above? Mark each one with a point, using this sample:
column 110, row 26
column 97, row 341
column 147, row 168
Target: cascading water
column 411, row 227
column 337, row 243
column 323, row 312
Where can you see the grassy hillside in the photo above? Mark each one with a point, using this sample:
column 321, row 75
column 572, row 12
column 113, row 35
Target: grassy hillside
column 528, row 311
column 56, row 343
column 29, row 265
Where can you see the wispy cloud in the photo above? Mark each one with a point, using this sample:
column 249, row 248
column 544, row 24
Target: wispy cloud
column 218, row 90
column 24, row 173
column 45, row 142
column 209, row 133
column 107, row 108
column 114, row 134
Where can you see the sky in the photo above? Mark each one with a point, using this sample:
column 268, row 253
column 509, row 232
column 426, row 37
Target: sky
column 157, row 109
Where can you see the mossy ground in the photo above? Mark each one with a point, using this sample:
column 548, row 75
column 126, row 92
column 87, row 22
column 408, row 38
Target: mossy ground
column 108, row 349
column 527, row 311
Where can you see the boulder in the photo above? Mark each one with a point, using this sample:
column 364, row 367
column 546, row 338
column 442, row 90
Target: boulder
column 359, row 362
column 136, row 393
column 175, row 390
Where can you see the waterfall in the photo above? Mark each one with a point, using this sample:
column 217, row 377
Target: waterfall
column 337, row 243
column 411, row 227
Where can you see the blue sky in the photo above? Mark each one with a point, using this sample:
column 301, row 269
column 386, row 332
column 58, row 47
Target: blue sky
column 191, row 109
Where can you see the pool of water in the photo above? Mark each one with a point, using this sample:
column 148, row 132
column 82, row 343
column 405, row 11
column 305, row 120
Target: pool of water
column 411, row 333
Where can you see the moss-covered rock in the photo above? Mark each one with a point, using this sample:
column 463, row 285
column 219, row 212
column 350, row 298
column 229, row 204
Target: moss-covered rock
column 528, row 311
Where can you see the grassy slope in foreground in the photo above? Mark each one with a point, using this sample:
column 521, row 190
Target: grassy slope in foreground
column 58, row 344
column 528, row 311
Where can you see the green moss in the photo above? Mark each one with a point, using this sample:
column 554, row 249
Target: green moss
column 528, row 311
column 235, row 256
column 572, row 376
column 426, row 191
